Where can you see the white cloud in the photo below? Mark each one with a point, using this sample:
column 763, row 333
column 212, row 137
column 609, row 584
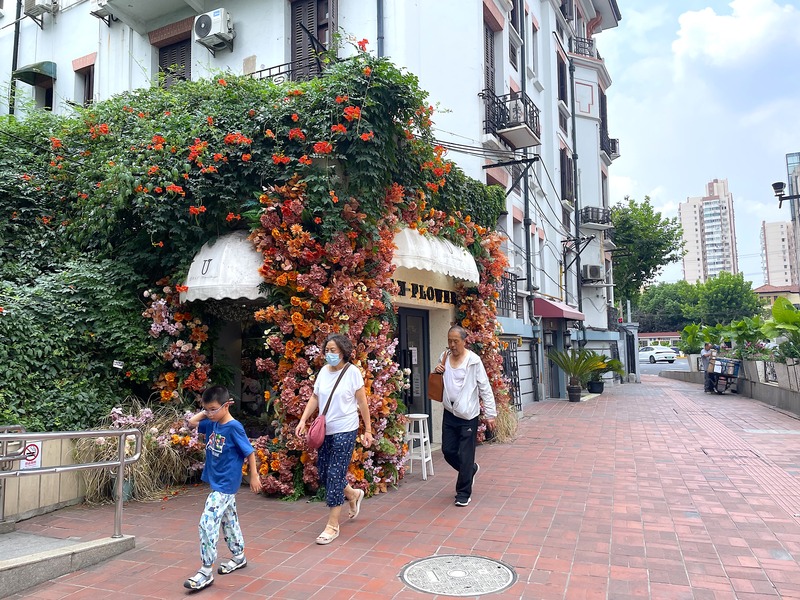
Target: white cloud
column 744, row 36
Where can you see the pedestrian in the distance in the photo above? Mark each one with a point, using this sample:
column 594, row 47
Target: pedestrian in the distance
column 227, row 447
column 709, row 379
column 465, row 385
column 342, row 383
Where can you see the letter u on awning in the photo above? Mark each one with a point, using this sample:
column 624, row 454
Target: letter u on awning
column 430, row 253
column 228, row 268
column 555, row 310
column 37, row 73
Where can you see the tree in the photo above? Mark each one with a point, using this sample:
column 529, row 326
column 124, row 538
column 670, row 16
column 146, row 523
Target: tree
column 723, row 299
column 661, row 306
column 649, row 241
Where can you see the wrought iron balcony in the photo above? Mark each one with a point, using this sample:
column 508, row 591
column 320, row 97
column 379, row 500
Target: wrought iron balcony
column 608, row 239
column 609, row 145
column 507, row 305
column 584, row 47
column 594, row 217
column 513, row 117
column 299, row 70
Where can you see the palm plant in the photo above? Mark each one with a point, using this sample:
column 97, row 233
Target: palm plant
column 576, row 363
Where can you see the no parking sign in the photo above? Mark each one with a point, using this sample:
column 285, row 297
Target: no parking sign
column 32, row 458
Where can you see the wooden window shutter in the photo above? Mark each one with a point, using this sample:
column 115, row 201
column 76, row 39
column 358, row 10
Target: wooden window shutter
column 304, row 12
column 488, row 56
column 176, row 61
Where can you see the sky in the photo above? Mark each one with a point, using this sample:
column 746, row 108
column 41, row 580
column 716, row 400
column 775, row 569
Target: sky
column 705, row 89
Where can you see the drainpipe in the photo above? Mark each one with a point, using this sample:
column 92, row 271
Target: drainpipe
column 527, row 221
column 12, row 93
column 380, row 28
column 582, row 342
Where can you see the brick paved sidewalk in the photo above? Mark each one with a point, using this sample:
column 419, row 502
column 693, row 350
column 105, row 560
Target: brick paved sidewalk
column 646, row 491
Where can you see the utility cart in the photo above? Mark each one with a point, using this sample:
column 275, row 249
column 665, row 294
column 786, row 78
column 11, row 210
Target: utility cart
column 724, row 372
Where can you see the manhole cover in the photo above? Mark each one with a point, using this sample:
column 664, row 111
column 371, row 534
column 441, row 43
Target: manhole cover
column 457, row 575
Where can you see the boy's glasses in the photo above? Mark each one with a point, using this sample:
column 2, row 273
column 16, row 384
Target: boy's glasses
column 211, row 413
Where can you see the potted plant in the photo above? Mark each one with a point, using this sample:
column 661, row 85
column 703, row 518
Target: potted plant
column 691, row 343
column 609, row 365
column 576, row 364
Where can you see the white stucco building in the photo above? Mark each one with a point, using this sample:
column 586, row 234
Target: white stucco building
column 521, row 93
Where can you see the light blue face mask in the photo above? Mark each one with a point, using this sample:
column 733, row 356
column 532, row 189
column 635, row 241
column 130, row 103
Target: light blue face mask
column 333, row 358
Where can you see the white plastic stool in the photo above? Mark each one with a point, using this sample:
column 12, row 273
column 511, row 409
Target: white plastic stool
column 417, row 431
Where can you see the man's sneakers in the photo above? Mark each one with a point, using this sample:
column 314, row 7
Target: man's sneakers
column 237, row 562
column 463, row 502
column 200, row 580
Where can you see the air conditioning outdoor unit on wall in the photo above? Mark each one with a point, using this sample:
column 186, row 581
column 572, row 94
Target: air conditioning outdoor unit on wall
column 214, row 29
column 35, row 8
column 592, row 273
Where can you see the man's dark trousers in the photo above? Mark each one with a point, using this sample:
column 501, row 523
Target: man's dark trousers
column 458, row 446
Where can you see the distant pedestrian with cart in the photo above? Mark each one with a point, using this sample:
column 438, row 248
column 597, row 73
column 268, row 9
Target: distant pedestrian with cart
column 227, row 447
column 710, row 380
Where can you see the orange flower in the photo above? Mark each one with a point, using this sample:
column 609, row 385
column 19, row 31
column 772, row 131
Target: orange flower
column 196, row 210
column 295, row 118
column 246, row 157
column 323, row 148
column 304, row 160
column 339, row 128
column 340, row 99
column 222, row 82
column 296, row 134
column 182, row 288
column 232, row 217
column 367, row 136
column 210, row 120
column 367, row 71
column 352, row 113
column 280, row 159
column 362, row 45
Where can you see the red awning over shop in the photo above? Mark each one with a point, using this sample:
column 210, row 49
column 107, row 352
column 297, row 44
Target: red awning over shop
column 555, row 310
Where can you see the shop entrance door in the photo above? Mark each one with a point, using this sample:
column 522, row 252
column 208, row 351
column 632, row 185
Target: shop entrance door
column 413, row 354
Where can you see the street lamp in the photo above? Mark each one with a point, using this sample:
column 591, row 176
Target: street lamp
column 779, row 187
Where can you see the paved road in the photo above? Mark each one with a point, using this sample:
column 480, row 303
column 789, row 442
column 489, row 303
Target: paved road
column 647, row 491
column 645, row 368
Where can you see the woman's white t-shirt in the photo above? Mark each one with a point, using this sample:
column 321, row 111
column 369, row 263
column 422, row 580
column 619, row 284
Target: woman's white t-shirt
column 342, row 414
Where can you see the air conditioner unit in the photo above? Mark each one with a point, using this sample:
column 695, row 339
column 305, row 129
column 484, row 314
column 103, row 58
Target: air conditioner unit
column 214, row 29
column 35, row 8
column 592, row 273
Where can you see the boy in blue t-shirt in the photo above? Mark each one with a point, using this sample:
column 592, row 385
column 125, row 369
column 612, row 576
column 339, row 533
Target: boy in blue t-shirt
column 227, row 447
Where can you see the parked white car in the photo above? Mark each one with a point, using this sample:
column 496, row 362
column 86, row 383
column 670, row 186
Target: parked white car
column 654, row 354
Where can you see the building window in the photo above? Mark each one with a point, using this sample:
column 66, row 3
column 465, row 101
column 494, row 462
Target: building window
column 85, row 81
column 319, row 19
column 488, row 58
column 567, row 181
column 175, row 62
column 562, row 80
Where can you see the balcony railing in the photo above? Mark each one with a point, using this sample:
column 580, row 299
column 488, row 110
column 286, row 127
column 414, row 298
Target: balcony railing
column 609, row 145
column 594, row 217
column 584, row 47
column 513, row 117
column 507, row 302
column 608, row 238
column 299, row 70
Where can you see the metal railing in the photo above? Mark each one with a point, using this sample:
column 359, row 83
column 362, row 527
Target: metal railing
column 510, row 110
column 595, row 214
column 609, row 145
column 507, row 302
column 13, row 435
column 299, row 70
column 583, row 46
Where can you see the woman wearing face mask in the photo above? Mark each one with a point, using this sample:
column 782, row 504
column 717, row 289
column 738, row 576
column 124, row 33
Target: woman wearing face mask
column 341, row 427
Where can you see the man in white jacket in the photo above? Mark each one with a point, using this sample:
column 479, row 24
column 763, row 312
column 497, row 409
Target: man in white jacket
column 465, row 384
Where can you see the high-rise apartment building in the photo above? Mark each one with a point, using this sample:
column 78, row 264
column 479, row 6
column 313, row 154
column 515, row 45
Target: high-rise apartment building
column 709, row 233
column 778, row 253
